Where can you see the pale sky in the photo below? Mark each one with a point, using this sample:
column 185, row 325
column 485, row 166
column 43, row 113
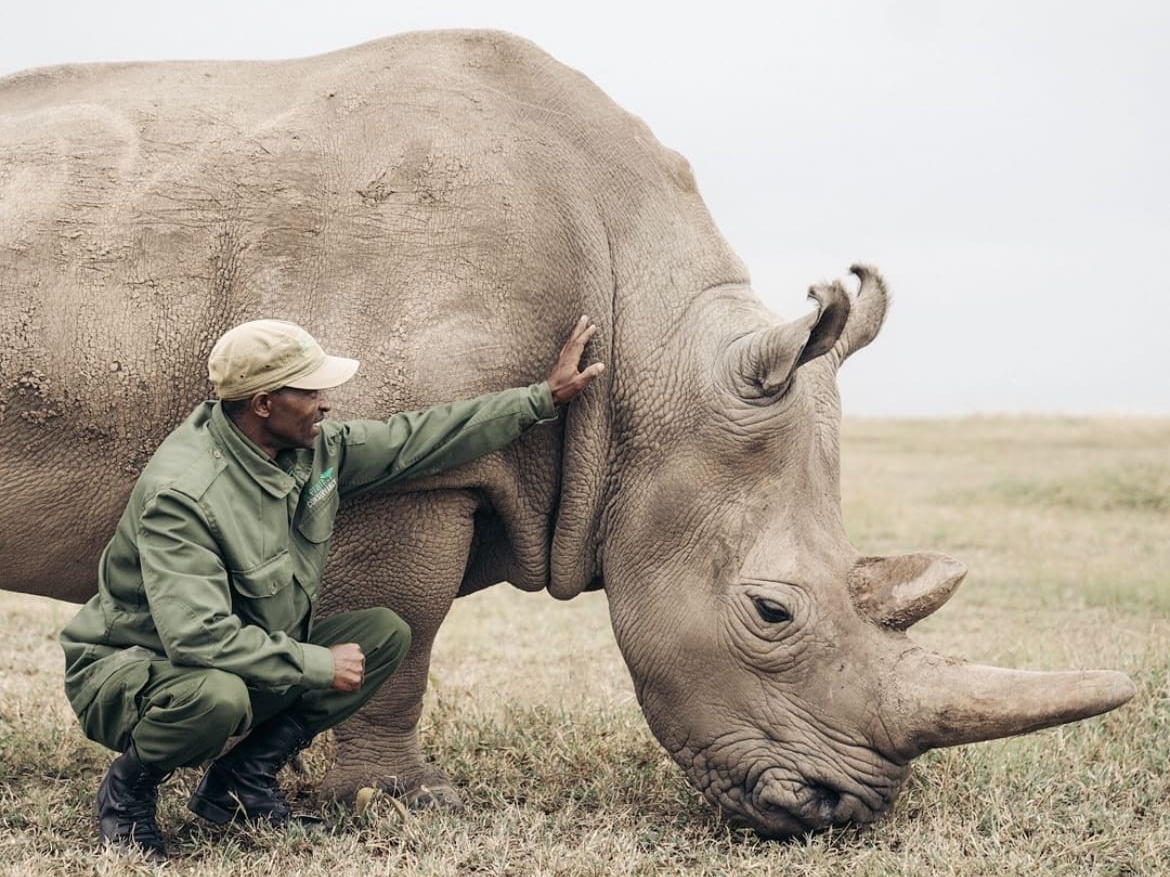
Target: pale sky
column 1005, row 163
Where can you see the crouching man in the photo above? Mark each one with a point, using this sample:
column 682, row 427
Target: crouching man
column 203, row 627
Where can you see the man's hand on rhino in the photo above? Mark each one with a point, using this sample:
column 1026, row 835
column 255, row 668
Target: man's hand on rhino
column 566, row 380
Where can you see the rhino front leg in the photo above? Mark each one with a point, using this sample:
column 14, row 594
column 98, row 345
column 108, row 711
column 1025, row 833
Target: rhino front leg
column 407, row 552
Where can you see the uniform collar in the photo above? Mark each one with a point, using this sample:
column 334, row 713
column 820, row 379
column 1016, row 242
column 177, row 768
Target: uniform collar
column 250, row 458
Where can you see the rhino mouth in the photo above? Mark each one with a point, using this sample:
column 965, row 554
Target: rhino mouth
column 777, row 802
column 812, row 805
column 792, row 779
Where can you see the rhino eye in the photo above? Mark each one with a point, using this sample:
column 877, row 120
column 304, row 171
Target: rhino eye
column 771, row 611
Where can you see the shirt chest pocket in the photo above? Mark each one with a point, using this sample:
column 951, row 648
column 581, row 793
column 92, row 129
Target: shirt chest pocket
column 262, row 595
column 316, row 519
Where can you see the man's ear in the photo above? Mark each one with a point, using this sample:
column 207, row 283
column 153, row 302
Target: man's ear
column 260, row 404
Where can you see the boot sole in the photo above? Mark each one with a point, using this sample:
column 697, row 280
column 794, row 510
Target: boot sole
column 219, row 815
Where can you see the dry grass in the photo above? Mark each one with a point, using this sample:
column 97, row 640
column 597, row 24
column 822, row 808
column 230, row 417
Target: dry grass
column 1065, row 526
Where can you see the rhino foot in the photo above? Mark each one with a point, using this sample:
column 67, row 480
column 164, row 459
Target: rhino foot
column 435, row 795
column 422, row 788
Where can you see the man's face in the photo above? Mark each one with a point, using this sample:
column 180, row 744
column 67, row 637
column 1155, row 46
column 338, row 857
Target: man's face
column 294, row 416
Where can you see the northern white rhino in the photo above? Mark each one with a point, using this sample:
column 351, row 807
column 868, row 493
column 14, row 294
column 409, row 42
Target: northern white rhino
column 441, row 205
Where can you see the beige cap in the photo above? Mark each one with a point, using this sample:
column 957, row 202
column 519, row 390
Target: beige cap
column 265, row 355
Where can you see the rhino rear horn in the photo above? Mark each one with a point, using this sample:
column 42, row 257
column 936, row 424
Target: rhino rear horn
column 762, row 364
column 896, row 592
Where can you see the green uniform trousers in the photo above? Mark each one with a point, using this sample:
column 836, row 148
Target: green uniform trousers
column 183, row 716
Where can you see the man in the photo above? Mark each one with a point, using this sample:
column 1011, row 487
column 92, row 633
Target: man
column 203, row 627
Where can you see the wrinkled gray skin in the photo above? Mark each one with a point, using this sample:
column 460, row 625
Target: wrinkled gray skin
column 444, row 206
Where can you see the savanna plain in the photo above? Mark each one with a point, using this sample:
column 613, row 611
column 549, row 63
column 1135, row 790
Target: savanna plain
column 1065, row 526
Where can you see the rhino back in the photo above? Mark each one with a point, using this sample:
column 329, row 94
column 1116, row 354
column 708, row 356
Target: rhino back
column 440, row 205
column 396, row 198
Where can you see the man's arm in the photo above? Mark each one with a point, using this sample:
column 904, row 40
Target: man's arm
column 444, row 436
column 190, row 599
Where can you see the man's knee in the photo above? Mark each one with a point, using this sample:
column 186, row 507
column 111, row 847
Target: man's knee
column 383, row 636
column 391, row 633
column 213, row 700
column 188, row 715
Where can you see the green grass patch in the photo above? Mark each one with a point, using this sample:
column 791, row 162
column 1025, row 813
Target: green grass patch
column 1136, row 488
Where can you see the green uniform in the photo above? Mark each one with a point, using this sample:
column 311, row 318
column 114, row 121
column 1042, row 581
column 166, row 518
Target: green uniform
column 206, row 593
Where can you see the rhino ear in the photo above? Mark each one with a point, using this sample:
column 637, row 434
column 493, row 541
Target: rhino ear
column 762, row 364
column 896, row 592
column 868, row 313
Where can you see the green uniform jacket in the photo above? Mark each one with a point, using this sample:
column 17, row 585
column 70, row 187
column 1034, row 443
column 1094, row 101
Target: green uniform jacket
column 217, row 560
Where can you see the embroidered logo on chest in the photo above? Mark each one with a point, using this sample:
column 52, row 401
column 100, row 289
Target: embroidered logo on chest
column 326, row 485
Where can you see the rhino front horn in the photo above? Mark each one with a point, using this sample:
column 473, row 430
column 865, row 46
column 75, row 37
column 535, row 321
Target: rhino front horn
column 938, row 701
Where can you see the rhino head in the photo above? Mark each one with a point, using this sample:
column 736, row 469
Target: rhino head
column 769, row 657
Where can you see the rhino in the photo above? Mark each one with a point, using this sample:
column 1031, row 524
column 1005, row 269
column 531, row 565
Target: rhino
column 444, row 206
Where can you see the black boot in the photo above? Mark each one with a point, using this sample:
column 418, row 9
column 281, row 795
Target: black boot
column 242, row 784
column 126, row 804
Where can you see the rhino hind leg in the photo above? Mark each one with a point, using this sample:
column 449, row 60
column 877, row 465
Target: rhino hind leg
column 408, row 552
